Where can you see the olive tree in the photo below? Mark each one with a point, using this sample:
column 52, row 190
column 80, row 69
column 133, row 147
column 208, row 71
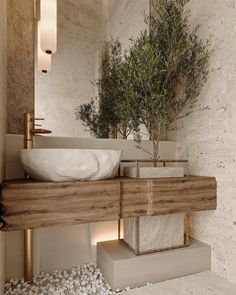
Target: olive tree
column 163, row 71
column 154, row 81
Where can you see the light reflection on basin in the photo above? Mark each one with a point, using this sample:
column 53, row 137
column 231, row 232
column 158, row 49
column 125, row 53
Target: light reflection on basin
column 70, row 164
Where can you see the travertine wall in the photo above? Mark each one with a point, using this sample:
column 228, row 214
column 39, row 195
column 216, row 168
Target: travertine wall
column 81, row 33
column 208, row 135
column 20, row 63
column 3, row 99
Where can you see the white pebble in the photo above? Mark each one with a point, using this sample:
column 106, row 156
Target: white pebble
column 81, row 280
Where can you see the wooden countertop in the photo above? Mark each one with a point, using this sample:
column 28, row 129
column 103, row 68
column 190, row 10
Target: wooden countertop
column 35, row 204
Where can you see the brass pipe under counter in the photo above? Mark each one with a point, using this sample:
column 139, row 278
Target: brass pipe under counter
column 29, row 132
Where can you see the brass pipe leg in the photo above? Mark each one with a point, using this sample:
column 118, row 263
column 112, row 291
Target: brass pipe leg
column 28, row 255
column 186, row 228
column 119, row 229
column 137, row 236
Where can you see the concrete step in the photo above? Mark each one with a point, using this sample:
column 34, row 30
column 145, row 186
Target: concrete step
column 121, row 268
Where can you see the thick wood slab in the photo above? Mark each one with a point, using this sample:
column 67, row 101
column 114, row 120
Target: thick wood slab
column 44, row 204
column 32, row 204
column 167, row 195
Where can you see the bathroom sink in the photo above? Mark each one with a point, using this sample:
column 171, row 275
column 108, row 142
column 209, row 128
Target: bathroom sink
column 70, row 164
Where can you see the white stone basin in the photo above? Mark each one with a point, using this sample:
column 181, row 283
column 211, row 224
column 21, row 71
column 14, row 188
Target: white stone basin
column 70, row 164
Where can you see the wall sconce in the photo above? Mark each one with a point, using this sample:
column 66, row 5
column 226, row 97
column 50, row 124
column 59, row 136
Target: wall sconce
column 48, row 18
column 43, row 59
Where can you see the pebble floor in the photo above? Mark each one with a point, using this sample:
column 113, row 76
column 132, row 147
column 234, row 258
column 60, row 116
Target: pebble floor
column 84, row 280
column 88, row 280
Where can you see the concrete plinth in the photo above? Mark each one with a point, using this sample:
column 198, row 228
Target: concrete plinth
column 121, row 268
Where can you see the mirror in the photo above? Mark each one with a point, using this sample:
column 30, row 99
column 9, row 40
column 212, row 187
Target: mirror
column 83, row 27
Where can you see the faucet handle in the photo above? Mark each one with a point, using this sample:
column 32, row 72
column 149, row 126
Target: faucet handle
column 38, row 119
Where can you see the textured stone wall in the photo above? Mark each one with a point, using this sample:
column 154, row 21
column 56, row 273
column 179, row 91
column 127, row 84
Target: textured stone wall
column 20, row 63
column 208, row 135
column 81, row 33
column 3, row 99
column 3, row 80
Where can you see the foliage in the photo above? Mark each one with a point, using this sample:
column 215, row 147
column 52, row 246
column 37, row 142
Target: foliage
column 185, row 55
column 142, row 74
column 90, row 115
column 99, row 115
column 152, row 82
column 163, row 71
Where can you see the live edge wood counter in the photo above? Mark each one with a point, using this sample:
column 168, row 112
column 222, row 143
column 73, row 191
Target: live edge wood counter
column 33, row 204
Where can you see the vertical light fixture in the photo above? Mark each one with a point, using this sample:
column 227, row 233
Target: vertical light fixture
column 43, row 59
column 48, row 17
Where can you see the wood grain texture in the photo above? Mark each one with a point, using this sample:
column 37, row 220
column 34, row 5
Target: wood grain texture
column 39, row 204
column 152, row 197
column 32, row 204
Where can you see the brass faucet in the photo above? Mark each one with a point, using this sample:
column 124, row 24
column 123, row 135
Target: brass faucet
column 29, row 131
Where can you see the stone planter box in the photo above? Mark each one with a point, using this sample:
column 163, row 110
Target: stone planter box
column 154, row 233
column 153, row 172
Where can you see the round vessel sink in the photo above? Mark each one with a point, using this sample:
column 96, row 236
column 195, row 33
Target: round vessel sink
column 70, row 164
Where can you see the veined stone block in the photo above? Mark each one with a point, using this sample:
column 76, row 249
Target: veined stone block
column 155, row 232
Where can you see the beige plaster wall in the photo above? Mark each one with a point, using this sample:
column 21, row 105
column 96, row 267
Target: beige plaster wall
column 3, row 99
column 208, row 135
column 125, row 19
column 20, row 63
column 81, row 33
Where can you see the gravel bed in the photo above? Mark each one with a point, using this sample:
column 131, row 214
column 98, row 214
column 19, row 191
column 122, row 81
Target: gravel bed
column 84, row 280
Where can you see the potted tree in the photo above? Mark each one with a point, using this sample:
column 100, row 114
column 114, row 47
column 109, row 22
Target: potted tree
column 163, row 73
column 150, row 84
column 160, row 77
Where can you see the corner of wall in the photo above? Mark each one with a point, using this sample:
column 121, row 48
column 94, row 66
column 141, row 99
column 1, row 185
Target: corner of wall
column 3, row 100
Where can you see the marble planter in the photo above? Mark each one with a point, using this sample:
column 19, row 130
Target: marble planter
column 153, row 172
column 156, row 233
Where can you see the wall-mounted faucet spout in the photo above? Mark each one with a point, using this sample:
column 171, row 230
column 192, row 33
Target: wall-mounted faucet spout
column 40, row 131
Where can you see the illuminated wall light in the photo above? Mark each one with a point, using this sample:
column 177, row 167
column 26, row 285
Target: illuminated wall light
column 44, row 59
column 48, row 17
column 106, row 232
